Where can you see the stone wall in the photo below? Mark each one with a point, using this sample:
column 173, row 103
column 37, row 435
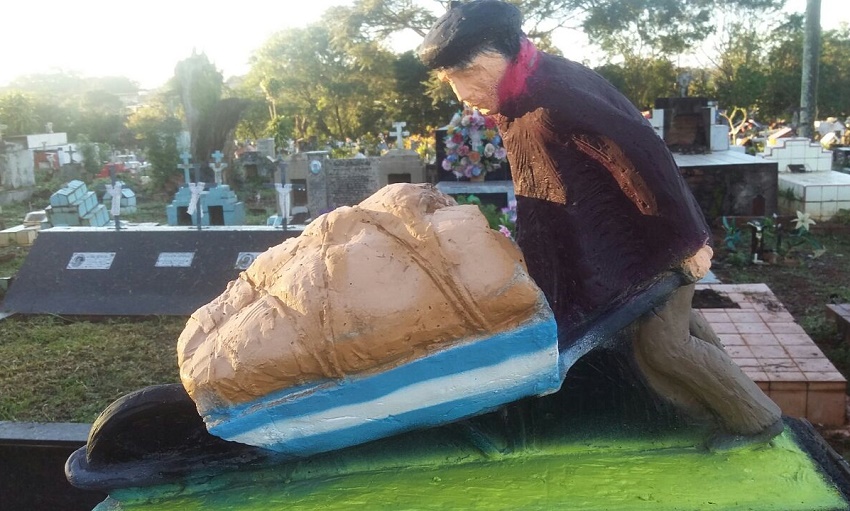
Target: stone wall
column 16, row 167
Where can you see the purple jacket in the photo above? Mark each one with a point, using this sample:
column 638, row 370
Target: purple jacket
column 601, row 205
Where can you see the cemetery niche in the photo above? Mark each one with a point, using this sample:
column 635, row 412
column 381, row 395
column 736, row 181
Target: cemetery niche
column 348, row 407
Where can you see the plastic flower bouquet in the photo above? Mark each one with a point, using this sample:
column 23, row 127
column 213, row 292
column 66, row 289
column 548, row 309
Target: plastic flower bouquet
column 473, row 146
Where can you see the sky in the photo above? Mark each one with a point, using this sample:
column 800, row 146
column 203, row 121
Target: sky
column 144, row 40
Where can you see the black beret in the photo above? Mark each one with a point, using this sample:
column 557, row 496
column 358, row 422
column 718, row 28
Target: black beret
column 461, row 32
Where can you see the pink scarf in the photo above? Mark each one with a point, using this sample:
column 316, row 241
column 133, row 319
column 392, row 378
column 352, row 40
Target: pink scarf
column 513, row 82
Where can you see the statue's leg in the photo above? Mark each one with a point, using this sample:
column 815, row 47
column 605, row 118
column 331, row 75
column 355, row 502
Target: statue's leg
column 699, row 375
column 701, row 329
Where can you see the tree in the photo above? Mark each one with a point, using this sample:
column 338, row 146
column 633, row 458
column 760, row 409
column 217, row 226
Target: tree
column 18, row 113
column 412, row 103
column 740, row 75
column 100, row 117
column 781, row 97
column 210, row 118
column 199, row 85
column 833, row 85
column 328, row 92
column 642, row 79
column 811, row 62
column 157, row 128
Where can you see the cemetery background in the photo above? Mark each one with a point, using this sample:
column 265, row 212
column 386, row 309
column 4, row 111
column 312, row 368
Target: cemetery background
column 68, row 369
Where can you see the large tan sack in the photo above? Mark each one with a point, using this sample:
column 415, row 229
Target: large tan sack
column 363, row 289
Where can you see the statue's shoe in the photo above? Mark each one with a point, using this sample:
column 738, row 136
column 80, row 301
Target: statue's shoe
column 403, row 312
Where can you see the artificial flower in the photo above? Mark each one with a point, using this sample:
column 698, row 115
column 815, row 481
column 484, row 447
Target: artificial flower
column 803, row 221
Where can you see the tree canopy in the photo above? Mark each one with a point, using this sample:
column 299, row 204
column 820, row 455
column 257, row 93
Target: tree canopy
column 338, row 79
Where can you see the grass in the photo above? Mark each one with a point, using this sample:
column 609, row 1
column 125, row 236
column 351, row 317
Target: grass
column 57, row 370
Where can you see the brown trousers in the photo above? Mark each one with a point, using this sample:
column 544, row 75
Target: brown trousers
column 684, row 361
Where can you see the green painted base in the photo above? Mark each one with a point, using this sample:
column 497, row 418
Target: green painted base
column 464, row 467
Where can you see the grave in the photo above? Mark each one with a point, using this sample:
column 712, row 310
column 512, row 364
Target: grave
column 776, row 353
column 196, row 203
column 724, row 180
column 127, row 202
column 841, row 159
column 135, row 271
column 495, row 188
column 75, row 205
column 839, row 313
column 730, row 183
column 24, row 235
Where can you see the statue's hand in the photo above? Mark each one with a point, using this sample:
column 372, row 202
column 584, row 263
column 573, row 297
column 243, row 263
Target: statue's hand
column 697, row 266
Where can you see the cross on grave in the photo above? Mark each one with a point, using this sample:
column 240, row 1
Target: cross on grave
column 218, row 166
column 185, row 166
column 399, row 134
column 115, row 191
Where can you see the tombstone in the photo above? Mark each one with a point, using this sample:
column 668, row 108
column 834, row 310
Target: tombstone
column 184, row 208
column 141, row 270
column 318, row 198
column 284, row 201
column 283, row 195
column 266, row 147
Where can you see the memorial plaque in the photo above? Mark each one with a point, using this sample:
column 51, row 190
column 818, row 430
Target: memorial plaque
column 175, row 260
column 245, row 259
column 91, row 261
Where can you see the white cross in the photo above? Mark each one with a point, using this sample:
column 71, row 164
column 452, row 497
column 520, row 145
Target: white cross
column 399, row 134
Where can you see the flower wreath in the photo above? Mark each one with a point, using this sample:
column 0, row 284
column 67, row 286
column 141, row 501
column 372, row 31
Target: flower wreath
column 473, row 145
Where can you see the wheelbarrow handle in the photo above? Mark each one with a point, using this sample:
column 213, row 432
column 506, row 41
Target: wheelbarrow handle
column 603, row 328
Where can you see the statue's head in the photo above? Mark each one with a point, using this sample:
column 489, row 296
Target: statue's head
column 471, row 46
